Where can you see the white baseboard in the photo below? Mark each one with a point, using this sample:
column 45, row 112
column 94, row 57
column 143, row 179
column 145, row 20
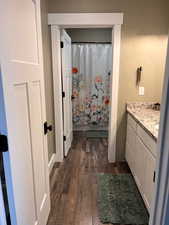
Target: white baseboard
column 52, row 162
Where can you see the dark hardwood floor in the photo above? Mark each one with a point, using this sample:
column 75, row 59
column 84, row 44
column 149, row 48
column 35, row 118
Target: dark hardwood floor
column 74, row 186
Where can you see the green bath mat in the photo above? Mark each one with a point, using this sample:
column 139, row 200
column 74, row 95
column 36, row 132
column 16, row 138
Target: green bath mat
column 120, row 201
column 97, row 134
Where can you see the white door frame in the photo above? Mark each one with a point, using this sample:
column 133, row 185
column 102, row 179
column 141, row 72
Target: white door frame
column 86, row 20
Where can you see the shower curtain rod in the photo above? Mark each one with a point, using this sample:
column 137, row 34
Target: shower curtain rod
column 84, row 42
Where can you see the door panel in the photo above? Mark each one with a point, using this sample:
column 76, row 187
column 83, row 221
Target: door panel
column 20, row 51
column 22, row 154
column 37, row 144
column 23, row 85
column 67, row 88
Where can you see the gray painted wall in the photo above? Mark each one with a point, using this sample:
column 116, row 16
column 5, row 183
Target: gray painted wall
column 90, row 35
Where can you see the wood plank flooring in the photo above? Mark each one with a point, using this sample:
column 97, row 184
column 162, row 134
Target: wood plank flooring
column 74, row 186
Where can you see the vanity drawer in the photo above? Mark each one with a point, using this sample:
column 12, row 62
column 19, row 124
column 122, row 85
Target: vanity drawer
column 147, row 140
column 131, row 122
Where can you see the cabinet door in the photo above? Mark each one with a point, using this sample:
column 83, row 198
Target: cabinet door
column 140, row 163
column 130, row 147
column 129, row 156
column 149, row 183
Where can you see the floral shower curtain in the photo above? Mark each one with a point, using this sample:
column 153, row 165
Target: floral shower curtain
column 92, row 64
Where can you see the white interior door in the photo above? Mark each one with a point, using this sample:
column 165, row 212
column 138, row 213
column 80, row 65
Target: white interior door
column 67, row 89
column 21, row 62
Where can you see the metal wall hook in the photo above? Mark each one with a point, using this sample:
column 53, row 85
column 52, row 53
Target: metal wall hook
column 138, row 77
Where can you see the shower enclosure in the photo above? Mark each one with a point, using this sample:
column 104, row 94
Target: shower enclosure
column 92, row 64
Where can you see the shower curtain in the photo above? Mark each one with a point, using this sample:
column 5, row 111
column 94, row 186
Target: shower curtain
column 92, row 64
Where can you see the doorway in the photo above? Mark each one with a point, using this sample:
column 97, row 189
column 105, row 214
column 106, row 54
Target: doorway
column 86, row 59
column 61, row 21
column 91, row 74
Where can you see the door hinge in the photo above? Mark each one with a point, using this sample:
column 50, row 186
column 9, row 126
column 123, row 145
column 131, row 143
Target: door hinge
column 61, row 44
column 64, row 138
column 154, row 177
column 47, row 127
column 3, row 143
column 72, row 97
column 63, row 94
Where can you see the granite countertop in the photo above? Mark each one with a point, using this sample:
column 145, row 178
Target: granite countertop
column 146, row 116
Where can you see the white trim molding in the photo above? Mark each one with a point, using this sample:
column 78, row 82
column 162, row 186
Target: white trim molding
column 57, row 87
column 59, row 21
column 51, row 162
column 114, row 89
column 85, row 19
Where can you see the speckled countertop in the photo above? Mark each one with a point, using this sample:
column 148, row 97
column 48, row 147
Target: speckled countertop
column 146, row 116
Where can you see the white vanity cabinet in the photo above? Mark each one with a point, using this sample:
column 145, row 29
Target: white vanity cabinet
column 141, row 158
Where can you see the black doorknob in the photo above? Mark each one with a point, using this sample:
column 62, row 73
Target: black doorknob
column 72, row 97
